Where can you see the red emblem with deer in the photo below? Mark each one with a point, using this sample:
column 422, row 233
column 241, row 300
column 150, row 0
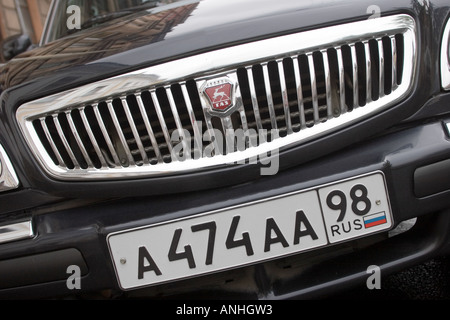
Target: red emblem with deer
column 220, row 94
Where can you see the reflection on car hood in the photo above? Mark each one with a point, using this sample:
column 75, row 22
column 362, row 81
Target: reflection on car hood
column 165, row 32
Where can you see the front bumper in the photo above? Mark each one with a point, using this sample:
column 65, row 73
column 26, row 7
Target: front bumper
column 414, row 160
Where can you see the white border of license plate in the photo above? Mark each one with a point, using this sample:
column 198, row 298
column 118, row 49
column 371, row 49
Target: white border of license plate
column 252, row 232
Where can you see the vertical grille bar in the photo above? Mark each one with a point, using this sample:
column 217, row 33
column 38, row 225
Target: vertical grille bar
column 355, row 76
column 176, row 116
column 315, row 99
column 326, row 68
column 161, row 119
column 273, row 116
column 192, row 119
column 340, row 59
column 228, row 129
column 52, row 143
column 381, row 66
column 284, row 95
column 368, row 71
column 132, row 124
column 254, row 98
column 298, row 83
column 394, row 61
column 105, row 134
column 92, row 137
column 64, row 141
column 239, row 102
column 120, row 132
column 78, row 139
column 149, row 128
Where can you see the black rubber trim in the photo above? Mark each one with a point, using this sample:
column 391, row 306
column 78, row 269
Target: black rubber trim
column 40, row 268
column 432, row 179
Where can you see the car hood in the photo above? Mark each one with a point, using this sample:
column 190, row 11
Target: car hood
column 180, row 29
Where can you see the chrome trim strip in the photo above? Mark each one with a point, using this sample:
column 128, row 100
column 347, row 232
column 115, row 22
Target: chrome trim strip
column 16, row 231
column 341, row 79
column 381, row 66
column 315, row 99
column 52, row 143
column 273, row 116
column 149, row 128
column 136, row 136
column 445, row 57
column 119, row 131
column 192, row 119
column 176, row 116
column 92, row 138
column 355, row 76
column 284, row 95
column 368, row 72
column 255, row 105
column 394, row 62
column 99, row 118
column 298, row 81
column 8, row 177
column 78, row 139
column 64, row 141
column 326, row 68
column 219, row 63
column 161, row 119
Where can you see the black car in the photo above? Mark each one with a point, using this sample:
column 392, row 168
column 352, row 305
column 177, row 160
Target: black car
column 247, row 149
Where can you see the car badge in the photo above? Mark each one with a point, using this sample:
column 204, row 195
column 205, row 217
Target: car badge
column 220, row 95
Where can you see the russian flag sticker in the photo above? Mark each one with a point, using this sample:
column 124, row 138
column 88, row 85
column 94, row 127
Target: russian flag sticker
column 375, row 219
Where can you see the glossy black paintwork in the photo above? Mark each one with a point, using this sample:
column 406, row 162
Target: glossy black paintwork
column 397, row 142
column 146, row 38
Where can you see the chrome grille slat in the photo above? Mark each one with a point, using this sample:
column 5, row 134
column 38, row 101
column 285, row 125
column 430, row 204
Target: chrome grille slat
column 65, row 142
column 284, row 96
column 381, row 66
column 119, row 132
column 368, row 71
column 298, row 86
column 134, row 130
column 300, row 100
column 176, row 116
column 394, row 61
column 92, row 138
column 343, row 105
column 161, row 119
column 52, row 143
column 355, row 77
column 269, row 95
column 105, row 134
column 328, row 93
column 315, row 98
column 193, row 120
column 254, row 98
column 148, row 127
column 77, row 137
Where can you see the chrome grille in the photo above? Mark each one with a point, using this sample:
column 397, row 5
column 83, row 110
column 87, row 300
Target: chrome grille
column 301, row 86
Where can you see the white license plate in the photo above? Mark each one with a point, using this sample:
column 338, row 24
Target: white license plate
column 252, row 232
